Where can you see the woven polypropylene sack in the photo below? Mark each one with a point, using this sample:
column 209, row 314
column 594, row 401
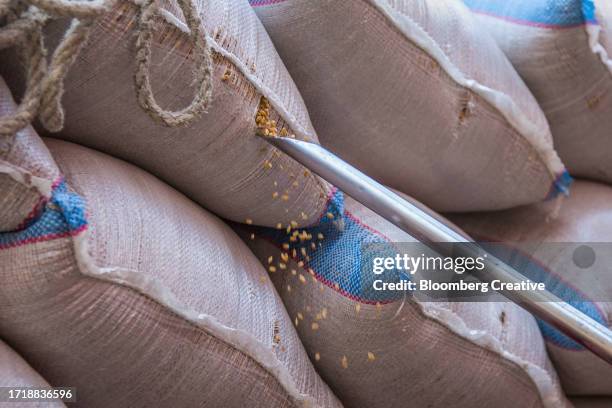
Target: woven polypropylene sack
column 562, row 50
column 27, row 172
column 131, row 293
column 586, row 217
column 417, row 96
column 388, row 350
column 217, row 161
column 17, row 373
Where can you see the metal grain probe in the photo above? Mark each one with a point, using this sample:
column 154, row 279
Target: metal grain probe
column 434, row 234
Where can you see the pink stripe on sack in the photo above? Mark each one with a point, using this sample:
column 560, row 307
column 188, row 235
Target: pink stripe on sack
column 367, row 227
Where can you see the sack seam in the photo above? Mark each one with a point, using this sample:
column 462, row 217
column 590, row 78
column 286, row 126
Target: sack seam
column 121, row 277
column 544, row 153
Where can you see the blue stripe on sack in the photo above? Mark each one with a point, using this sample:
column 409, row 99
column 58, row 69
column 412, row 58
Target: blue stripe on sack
column 539, row 273
column 343, row 259
column 542, row 13
column 588, row 11
column 64, row 215
column 561, row 185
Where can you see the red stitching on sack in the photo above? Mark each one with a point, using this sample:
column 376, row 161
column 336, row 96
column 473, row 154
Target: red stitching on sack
column 361, row 224
column 42, row 201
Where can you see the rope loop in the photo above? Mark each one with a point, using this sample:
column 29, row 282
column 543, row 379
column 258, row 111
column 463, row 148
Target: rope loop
column 26, row 31
column 24, row 21
column 202, row 62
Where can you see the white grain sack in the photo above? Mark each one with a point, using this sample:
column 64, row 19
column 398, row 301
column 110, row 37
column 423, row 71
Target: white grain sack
column 126, row 290
column 419, row 97
column 586, row 217
column 394, row 351
column 217, row 160
column 562, row 50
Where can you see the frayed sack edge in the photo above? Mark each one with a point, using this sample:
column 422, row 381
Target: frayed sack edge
column 42, row 185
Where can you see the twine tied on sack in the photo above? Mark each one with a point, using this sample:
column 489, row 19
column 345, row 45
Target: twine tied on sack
column 25, row 20
column 44, row 82
column 202, row 74
column 25, row 30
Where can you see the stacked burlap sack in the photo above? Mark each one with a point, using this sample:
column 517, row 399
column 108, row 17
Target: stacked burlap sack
column 128, row 291
column 414, row 94
column 580, row 278
column 562, row 50
column 139, row 64
column 419, row 96
column 112, row 281
column 378, row 349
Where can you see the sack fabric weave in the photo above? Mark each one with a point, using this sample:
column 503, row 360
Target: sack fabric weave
column 562, row 49
column 419, row 97
column 586, row 217
column 130, row 292
column 377, row 349
column 102, row 111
